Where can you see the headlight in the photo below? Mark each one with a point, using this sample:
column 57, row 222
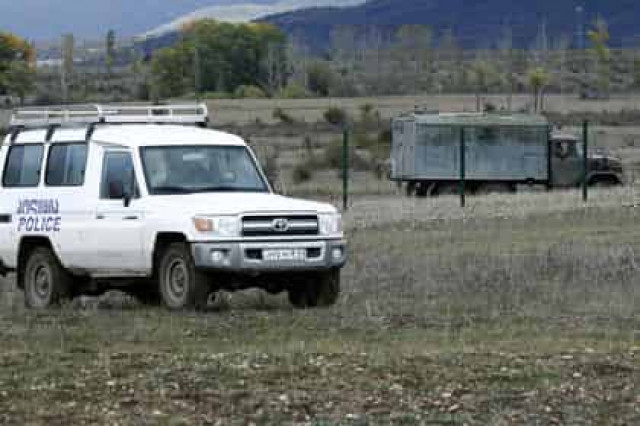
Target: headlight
column 330, row 224
column 221, row 226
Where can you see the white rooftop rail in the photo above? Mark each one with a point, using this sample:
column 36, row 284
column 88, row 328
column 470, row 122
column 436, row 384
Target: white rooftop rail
column 88, row 114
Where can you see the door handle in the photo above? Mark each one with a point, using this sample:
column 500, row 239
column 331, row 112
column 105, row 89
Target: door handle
column 100, row 217
column 130, row 218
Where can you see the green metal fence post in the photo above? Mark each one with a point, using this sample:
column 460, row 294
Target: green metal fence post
column 585, row 160
column 345, row 168
column 462, row 167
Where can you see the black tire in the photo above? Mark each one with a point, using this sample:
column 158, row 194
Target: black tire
column 327, row 289
column 147, row 294
column 300, row 296
column 46, row 282
column 321, row 290
column 181, row 286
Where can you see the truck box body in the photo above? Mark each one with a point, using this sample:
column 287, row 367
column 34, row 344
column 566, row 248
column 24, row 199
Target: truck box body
column 511, row 148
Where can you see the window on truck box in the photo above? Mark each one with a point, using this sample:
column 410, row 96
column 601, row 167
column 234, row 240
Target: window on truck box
column 23, row 165
column 66, row 164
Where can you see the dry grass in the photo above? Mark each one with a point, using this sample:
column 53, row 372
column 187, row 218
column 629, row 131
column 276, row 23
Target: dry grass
column 517, row 310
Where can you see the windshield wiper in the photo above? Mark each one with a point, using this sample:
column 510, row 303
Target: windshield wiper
column 226, row 189
column 172, row 190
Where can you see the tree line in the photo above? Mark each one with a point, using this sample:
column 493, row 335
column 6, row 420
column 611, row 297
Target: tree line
column 215, row 59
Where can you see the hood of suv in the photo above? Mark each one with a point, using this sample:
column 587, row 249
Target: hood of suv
column 234, row 204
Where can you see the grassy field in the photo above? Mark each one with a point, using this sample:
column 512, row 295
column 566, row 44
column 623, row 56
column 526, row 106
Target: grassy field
column 247, row 111
column 519, row 310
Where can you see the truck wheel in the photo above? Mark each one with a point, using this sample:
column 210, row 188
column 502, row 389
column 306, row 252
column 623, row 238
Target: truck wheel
column 327, row 288
column 495, row 188
column 181, row 285
column 321, row 290
column 46, row 282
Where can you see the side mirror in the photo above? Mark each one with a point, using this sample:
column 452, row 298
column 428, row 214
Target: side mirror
column 127, row 195
column 118, row 190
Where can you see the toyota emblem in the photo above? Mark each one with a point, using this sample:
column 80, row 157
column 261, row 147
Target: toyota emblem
column 280, row 225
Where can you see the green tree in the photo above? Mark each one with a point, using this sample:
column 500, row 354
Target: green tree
column 538, row 80
column 13, row 51
column 170, row 73
column 19, row 79
column 599, row 37
column 484, row 77
column 110, row 48
column 320, row 78
column 636, row 73
column 221, row 57
column 66, row 74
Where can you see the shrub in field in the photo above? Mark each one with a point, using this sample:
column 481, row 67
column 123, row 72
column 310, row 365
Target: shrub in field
column 249, row 92
column 368, row 114
column 216, row 95
column 333, row 156
column 282, row 116
column 335, row 116
column 302, row 173
column 294, row 91
column 320, row 78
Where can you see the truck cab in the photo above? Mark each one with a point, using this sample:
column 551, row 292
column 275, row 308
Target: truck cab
column 567, row 164
column 148, row 201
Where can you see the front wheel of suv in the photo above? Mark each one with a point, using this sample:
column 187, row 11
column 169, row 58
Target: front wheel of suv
column 319, row 290
column 181, row 285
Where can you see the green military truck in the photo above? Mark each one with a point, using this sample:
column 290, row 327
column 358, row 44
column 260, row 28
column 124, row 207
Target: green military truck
column 501, row 152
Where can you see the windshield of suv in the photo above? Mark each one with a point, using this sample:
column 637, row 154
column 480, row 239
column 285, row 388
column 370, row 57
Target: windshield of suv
column 193, row 169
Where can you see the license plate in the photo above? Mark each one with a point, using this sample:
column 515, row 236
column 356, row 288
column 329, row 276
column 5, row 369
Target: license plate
column 284, row 255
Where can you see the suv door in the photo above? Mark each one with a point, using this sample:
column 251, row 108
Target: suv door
column 119, row 227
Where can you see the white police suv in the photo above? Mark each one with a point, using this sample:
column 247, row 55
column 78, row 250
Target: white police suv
column 148, row 201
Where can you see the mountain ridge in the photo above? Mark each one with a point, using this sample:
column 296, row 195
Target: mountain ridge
column 461, row 16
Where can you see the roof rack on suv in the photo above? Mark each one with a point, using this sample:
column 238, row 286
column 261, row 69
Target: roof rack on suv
column 93, row 114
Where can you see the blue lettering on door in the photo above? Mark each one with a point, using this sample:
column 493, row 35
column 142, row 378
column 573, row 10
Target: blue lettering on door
column 39, row 215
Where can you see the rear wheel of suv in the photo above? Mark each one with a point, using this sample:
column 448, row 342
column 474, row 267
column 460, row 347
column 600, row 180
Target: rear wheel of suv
column 46, row 282
column 320, row 290
column 181, row 285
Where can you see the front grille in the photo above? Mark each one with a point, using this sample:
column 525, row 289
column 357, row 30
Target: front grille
column 272, row 226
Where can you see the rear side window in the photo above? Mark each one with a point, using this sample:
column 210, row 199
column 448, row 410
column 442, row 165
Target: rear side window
column 66, row 164
column 23, row 166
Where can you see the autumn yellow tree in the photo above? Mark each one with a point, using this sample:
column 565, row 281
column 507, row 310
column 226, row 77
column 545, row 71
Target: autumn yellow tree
column 599, row 37
column 17, row 63
column 538, row 80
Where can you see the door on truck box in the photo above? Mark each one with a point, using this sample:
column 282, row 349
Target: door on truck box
column 566, row 162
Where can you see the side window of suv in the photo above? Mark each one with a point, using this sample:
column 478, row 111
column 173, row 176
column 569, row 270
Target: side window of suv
column 23, row 165
column 66, row 164
column 117, row 174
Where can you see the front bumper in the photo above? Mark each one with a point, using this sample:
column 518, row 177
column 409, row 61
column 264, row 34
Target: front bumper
column 249, row 256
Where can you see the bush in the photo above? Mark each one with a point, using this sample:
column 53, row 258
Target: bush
column 335, row 116
column 249, row 92
column 321, row 78
column 294, row 91
column 216, row 95
column 302, row 173
column 282, row 116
